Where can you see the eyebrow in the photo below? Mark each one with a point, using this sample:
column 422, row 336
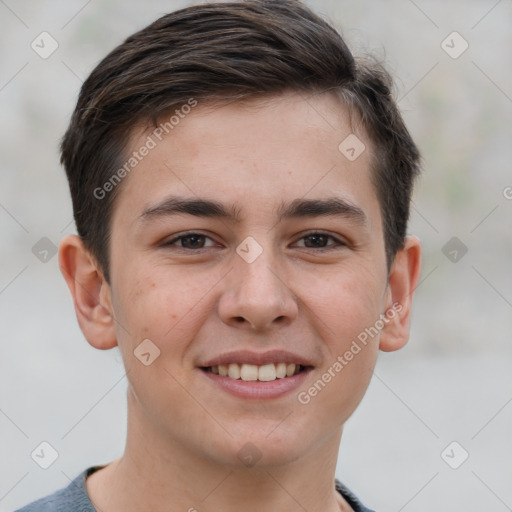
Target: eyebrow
column 298, row 208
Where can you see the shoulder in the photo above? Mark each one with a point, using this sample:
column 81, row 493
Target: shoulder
column 73, row 497
column 351, row 498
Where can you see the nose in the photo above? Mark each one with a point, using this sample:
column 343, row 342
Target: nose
column 258, row 295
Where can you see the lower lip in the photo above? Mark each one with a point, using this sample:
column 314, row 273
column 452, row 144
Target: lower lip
column 255, row 388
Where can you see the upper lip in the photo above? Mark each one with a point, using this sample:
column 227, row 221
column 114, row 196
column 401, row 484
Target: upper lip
column 257, row 358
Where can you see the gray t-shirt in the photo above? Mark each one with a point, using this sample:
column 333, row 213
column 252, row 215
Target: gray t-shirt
column 74, row 497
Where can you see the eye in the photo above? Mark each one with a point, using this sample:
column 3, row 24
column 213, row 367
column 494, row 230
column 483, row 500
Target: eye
column 318, row 240
column 189, row 241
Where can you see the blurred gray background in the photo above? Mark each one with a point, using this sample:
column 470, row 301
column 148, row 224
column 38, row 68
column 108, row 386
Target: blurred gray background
column 451, row 383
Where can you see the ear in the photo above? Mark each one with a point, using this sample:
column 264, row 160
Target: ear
column 91, row 293
column 402, row 280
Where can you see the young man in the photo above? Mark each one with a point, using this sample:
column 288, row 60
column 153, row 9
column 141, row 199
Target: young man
column 241, row 190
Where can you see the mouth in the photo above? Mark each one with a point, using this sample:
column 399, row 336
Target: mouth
column 251, row 372
column 248, row 374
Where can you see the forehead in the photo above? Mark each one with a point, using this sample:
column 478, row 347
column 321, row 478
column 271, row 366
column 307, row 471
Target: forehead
column 252, row 155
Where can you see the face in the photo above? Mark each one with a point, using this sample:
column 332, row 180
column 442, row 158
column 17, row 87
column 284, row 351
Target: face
column 287, row 267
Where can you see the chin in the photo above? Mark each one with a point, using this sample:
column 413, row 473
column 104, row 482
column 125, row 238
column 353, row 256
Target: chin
column 262, row 449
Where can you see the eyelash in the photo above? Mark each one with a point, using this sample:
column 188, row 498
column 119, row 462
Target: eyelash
column 339, row 243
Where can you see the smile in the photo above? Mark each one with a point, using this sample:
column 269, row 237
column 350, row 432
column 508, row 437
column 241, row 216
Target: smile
column 252, row 372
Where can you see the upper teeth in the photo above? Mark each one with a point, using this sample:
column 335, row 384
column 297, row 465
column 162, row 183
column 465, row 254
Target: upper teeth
column 264, row 372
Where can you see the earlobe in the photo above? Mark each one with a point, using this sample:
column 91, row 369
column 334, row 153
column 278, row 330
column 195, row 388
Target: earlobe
column 90, row 292
column 402, row 281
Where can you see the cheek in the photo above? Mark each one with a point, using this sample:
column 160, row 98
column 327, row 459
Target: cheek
column 156, row 321
column 342, row 385
column 346, row 311
column 162, row 305
column 346, row 302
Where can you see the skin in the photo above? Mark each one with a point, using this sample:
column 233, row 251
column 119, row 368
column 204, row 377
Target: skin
column 184, row 433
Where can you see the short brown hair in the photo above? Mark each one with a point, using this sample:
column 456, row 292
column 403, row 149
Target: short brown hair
column 219, row 51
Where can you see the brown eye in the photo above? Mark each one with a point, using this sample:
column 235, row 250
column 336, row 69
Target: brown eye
column 319, row 240
column 188, row 241
column 192, row 241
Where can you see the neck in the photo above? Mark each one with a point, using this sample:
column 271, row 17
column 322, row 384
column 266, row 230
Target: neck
column 160, row 474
